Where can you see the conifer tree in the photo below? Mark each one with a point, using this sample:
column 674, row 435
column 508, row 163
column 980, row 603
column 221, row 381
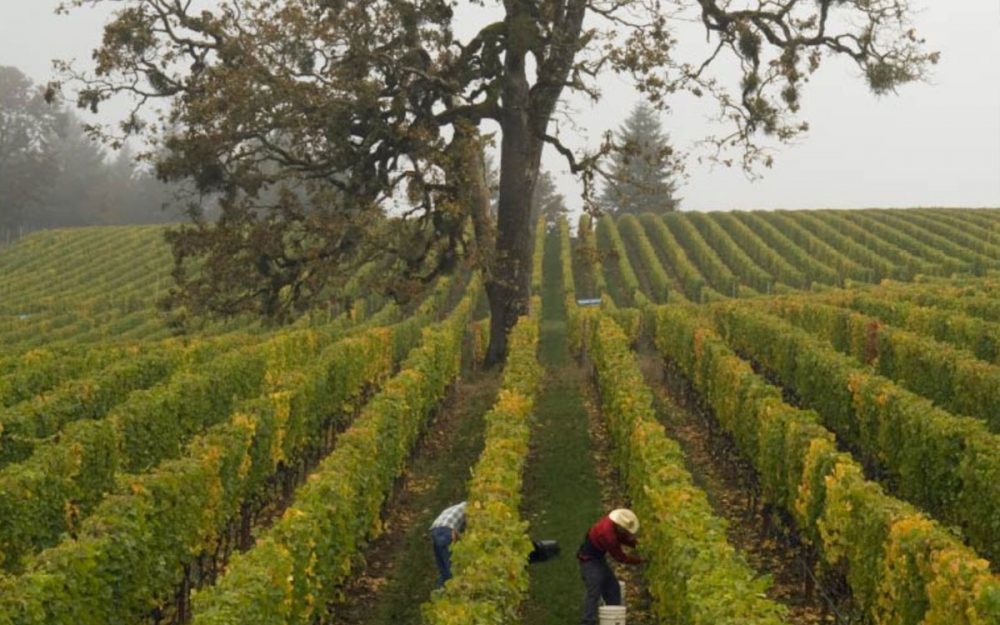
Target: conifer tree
column 642, row 167
column 547, row 202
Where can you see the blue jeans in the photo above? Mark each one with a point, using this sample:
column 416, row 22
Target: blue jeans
column 441, row 538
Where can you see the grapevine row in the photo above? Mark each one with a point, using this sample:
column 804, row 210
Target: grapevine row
column 262, row 437
column 954, row 379
column 293, row 571
column 689, row 279
column 814, row 270
column 74, row 471
column 616, row 262
column 817, row 248
column 957, row 231
column 645, row 257
column 708, row 262
column 972, row 260
column 901, row 567
column 694, row 574
column 490, row 574
column 744, row 267
column 906, row 262
column 144, row 541
column 979, row 336
column 903, row 239
column 943, row 463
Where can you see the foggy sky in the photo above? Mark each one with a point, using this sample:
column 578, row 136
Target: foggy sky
column 934, row 144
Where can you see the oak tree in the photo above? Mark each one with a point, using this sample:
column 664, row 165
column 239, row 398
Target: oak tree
column 307, row 118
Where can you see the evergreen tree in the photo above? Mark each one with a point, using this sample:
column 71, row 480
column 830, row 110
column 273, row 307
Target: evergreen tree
column 29, row 129
column 642, row 167
column 547, row 201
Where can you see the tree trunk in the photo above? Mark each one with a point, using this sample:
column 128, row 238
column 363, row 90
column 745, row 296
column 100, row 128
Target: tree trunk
column 509, row 287
column 468, row 171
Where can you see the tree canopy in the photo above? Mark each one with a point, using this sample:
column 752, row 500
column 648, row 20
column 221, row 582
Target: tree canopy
column 312, row 120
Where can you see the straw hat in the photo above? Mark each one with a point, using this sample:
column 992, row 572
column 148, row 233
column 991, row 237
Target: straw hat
column 625, row 519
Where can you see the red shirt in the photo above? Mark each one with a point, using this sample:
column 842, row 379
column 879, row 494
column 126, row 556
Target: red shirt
column 609, row 538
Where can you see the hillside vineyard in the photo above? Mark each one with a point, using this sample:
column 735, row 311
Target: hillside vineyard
column 822, row 386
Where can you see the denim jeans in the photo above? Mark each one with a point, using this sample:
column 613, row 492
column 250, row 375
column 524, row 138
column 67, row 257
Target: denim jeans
column 599, row 581
column 441, row 538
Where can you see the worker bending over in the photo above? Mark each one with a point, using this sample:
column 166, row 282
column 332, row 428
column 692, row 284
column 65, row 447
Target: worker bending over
column 444, row 531
column 606, row 536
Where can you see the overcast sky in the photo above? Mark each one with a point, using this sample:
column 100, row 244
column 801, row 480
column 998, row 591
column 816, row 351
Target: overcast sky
column 934, row 144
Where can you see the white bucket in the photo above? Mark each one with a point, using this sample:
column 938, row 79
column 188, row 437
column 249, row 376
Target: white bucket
column 611, row 615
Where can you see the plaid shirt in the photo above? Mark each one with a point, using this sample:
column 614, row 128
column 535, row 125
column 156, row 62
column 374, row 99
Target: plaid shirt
column 453, row 517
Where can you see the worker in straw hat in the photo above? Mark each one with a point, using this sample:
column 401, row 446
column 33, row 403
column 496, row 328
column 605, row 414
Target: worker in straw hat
column 606, row 536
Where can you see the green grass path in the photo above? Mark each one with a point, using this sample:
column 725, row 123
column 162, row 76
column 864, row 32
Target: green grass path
column 401, row 572
column 562, row 493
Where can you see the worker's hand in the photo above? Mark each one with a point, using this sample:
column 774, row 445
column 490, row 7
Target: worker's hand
column 454, row 535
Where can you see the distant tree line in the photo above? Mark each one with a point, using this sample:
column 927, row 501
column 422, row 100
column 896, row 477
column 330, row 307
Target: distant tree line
column 53, row 175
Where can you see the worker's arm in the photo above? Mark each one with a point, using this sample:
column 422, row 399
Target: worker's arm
column 614, row 540
column 616, row 552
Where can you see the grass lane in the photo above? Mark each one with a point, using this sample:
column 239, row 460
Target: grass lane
column 562, row 493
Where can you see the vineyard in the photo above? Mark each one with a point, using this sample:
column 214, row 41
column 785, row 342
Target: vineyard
column 802, row 407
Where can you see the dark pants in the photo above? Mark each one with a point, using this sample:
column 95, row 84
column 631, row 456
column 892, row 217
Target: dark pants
column 600, row 582
column 441, row 538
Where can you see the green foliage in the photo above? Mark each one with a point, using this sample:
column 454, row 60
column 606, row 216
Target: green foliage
column 566, row 259
column 694, row 574
column 744, row 267
column 777, row 240
column 955, row 380
column 633, row 233
column 490, row 561
column 762, row 254
column 130, row 553
column 902, row 568
column 538, row 253
column 877, row 266
column 43, row 369
column 709, row 264
column 899, row 237
column 67, row 477
column 65, row 289
column 588, row 255
column 612, row 248
column 23, row 426
column 788, row 223
column 926, row 453
column 674, row 256
column 907, row 265
column 295, row 568
column 978, row 336
column 955, row 245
